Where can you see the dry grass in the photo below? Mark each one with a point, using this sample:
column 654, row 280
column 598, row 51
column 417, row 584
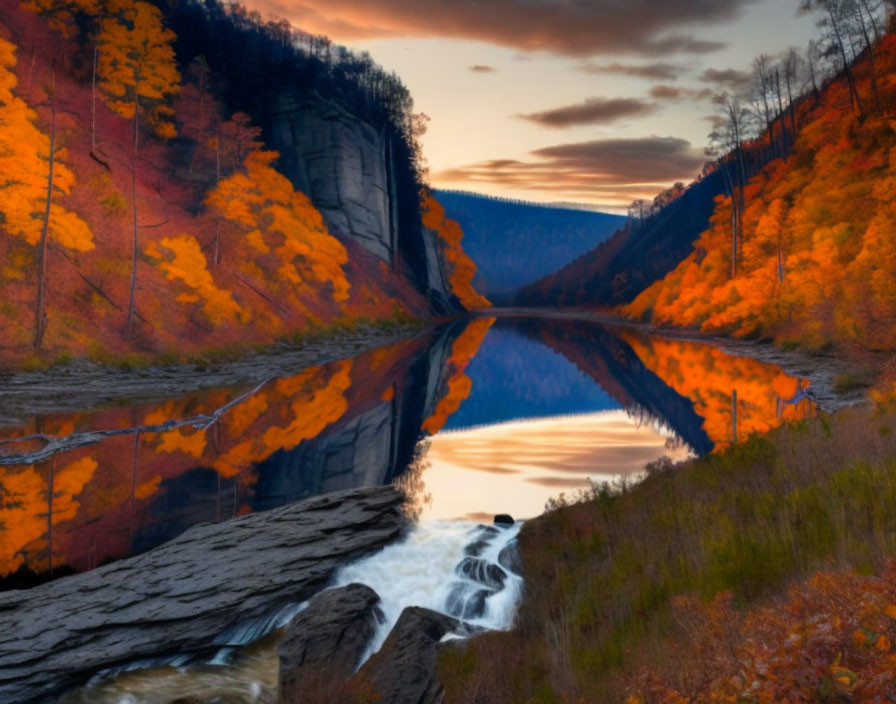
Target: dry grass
column 601, row 574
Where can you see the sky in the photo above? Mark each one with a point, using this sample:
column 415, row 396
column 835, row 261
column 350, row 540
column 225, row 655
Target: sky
column 588, row 101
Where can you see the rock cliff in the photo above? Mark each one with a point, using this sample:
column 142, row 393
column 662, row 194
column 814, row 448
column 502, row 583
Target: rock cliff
column 352, row 174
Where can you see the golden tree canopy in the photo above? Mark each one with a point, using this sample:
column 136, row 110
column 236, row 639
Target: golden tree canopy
column 137, row 66
column 24, row 170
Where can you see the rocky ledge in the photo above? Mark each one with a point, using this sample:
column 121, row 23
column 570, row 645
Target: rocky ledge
column 179, row 598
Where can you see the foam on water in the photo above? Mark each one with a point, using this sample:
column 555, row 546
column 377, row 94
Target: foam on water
column 420, row 571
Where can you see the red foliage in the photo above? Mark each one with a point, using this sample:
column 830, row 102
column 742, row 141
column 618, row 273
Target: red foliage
column 188, row 299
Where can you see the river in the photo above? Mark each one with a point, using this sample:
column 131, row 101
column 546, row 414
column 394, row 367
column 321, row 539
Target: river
column 473, row 418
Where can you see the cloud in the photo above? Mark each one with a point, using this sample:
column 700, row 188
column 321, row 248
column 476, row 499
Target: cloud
column 673, row 93
column 480, row 68
column 614, row 171
column 593, row 111
column 653, row 72
column 581, row 28
column 726, row 78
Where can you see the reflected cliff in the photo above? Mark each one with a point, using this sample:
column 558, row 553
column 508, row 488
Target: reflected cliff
column 517, row 409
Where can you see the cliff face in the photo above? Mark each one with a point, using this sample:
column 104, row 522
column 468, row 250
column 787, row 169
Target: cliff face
column 347, row 167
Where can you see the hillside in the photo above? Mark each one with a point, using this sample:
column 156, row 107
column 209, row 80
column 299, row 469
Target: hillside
column 514, row 244
column 816, row 256
column 635, row 256
column 676, row 589
column 161, row 209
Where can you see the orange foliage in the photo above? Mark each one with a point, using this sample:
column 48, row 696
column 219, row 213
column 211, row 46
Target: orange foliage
column 277, row 274
column 24, row 154
column 137, row 66
column 26, row 507
column 276, row 219
column 459, row 384
column 462, row 267
column 185, row 262
column 710, row 378
column 818, row 257
column 104, row 492
column 832, row 640
column 312, row 406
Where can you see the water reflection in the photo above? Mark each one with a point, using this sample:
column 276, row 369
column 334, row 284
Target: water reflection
column 102, row 484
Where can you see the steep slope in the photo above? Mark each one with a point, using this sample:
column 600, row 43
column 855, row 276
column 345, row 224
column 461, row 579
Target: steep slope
column 175, row 230
column 634, row 257
column 816, row 261
column 514, row 243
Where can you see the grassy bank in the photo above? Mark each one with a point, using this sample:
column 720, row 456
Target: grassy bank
column 605, row 576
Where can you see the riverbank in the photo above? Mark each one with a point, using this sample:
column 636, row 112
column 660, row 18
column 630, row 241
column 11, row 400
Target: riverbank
column 84, row 384
column 839, row 378
column 605, row 576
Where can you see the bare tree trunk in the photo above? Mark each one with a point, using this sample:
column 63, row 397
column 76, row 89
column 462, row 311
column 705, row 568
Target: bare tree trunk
column 39, row 314
column 132, row 302
column 96, row 54
column 217, row 182
column 835, row 26
column 869, row 46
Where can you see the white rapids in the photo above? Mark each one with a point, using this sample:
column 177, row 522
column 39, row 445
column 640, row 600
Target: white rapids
column 421, row 571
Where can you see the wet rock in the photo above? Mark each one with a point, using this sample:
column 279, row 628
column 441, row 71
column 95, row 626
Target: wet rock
column 483, row 572
column 476, row 548
column 177, row 598
column 325, row 642
column 504, row 520
column 466, row 602
column 405, row 670
column 509, row 558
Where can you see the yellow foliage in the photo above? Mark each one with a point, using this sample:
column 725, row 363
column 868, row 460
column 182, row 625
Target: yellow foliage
column 182, row 259
column 24, row 165
column 276, row 218
column 137, row 66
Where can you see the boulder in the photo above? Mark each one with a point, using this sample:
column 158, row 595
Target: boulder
column 405, row 670
column 324, row 643
column 510, row 559
column 504, row 520
column 482, row 572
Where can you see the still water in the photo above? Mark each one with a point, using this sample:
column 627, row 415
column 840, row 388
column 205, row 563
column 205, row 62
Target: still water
column 476, row 418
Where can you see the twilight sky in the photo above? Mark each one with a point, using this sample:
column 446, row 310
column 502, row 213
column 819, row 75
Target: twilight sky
column 593, row 101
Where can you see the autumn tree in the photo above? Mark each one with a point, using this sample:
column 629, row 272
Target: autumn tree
column 34, row 173
column 276, row 220
column 232, row 143
column 138, row 73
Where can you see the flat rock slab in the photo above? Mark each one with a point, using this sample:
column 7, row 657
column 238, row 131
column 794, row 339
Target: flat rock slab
column 176, row 598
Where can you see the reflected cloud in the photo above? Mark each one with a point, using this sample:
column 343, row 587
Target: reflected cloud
column 543, row 454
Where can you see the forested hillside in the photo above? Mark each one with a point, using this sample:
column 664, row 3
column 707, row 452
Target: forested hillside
column 155, row 206
column 644, row 250
column 805, row 250
column 514, row 243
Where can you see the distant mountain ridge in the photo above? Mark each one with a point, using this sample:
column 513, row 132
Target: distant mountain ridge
column 514, row 243
column 636, row 256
